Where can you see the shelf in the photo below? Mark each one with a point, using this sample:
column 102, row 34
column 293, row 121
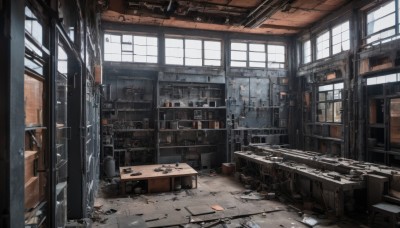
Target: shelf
column 325, row 138
column 171, row 147
column 133, row 130
column 220, row 107
column 136, row 149
column 128, row 101
column 126, row 110
column 109, row 145
column 377, row 125
column 203, row 129
column 34, row 128
column 191, row 120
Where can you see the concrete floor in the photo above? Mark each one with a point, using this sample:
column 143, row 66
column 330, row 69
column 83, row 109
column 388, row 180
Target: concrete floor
column 168, row 209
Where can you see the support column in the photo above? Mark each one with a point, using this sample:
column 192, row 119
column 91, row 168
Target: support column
column 12, row 116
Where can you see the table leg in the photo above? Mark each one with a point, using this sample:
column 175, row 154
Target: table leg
column 196, row 180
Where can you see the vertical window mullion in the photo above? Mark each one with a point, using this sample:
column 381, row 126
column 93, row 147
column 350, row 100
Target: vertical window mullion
column 396, row 12
column 184, row 51
column 266, row 55
column 202, row 52
column 247, row 55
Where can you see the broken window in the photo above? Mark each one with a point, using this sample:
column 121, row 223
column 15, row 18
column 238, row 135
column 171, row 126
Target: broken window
column 329, row 108
column 341, row 38
column 307, row 51
column 276, row 56
column 381, row 22
column 323, row 45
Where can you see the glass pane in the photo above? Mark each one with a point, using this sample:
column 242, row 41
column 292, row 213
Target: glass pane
column 173, row 43
column 140, row 40
column 337, row 115
column 329, row 96
column 193, row 44
column 174, row 52
column 395, row 123
column 257, row 56
column 322, row 96
column 257, row 47
column 210, row 54
column 212, row 45
column 174, row 60
column 193, row 53
column 239, row 55
column 329, row 112
column 239, row 46
column 321, row 112
column 212, row 62
column 127, row 39
column 238, row 64
column 193, row 62
column 257, row 64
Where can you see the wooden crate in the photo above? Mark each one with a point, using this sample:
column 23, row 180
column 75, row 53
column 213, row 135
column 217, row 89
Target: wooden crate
column 33, row 93
column 32, row 195
column 30, row 157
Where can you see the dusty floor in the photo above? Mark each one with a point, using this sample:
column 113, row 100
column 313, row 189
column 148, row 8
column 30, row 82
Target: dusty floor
column 168, row 209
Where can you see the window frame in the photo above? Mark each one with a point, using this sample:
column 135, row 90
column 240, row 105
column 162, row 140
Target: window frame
column 248, row 52
column 329, row 44
column 203, row 52
column 326, row 101
column 132, row 49
column 395, row 27
column 304, row 52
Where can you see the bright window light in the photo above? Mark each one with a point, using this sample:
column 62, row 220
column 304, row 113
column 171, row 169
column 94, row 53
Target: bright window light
column 323, row 41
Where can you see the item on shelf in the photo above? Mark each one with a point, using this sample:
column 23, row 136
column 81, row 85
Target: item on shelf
column 177, row 104
column 146, row 123
column 197, row 115
column 214, row 124
column 174, row 124
column 213, row 104
column 197, row 124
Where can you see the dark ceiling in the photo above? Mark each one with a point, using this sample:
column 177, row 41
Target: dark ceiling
column 280, row 17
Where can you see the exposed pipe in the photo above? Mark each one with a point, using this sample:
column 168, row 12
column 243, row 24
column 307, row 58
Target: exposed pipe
column 258, row 7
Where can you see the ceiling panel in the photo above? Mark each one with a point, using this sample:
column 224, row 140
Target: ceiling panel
column 281, row 17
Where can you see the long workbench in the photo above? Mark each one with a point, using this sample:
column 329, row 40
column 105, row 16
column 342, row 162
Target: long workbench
column 157, row 181
column 329, row 180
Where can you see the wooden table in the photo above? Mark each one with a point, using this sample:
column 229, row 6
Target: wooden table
column 157, row 181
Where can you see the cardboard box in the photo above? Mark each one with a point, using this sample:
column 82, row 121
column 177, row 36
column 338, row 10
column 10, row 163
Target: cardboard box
column 30, row 157
column 32, row 195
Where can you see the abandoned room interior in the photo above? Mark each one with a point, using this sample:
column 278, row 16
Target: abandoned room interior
column 202, row 113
